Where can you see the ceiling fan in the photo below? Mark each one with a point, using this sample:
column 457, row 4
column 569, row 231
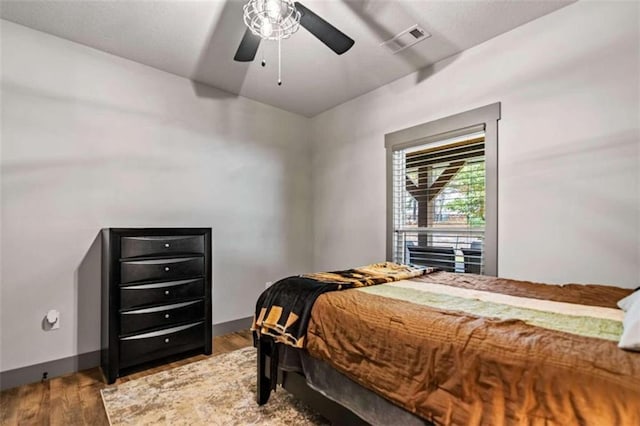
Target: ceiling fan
column 278, row 20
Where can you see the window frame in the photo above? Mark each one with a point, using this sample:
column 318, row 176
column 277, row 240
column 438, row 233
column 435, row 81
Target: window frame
column 485, row 117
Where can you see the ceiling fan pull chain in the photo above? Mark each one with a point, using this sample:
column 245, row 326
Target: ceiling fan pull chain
column 279, row 61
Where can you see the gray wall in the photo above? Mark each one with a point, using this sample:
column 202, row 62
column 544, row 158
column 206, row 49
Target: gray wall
column 569, row 157
column 90, row 140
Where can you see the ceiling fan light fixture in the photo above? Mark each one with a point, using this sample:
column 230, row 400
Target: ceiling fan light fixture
column 271, row 19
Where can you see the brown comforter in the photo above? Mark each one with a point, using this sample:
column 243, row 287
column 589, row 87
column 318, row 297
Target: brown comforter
column 458, row 369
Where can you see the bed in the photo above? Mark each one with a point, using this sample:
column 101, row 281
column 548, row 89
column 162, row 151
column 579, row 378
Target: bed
column 461, row 349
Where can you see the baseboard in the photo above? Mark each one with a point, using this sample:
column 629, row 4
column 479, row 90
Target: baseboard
column 33, row 373
column 231, row 326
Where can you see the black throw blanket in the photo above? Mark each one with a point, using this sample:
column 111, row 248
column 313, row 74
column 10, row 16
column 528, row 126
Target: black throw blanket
column 284, row 309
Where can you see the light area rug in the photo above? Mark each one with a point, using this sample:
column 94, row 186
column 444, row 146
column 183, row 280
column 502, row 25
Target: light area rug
column 220, row 390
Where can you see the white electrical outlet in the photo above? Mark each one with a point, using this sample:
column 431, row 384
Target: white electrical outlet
column 268, row 284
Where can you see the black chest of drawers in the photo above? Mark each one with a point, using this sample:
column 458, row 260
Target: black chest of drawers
column 156, row 295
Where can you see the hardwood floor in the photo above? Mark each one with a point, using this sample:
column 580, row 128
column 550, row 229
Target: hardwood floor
column 75, row 399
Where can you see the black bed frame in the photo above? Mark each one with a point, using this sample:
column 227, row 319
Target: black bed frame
column 269, row 376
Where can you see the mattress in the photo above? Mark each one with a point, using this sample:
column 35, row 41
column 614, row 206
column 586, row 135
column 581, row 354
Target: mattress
column 469, row 350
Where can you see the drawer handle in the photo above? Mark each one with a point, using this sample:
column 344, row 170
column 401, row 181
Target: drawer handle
column 166, row 340
column 166, row 292
column 166, row 316
column 166, row 268
column 166, row 245
column 162, row 332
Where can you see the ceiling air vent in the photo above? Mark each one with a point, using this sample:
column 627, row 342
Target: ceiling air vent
column 405, row 39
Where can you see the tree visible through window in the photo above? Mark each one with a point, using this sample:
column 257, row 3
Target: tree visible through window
column 467, row 191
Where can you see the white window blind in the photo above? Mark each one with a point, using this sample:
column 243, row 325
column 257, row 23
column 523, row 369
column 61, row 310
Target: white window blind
column 439, row 204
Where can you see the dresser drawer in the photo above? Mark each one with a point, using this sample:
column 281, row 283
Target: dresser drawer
column 160, row 316
column 161, row 246
column 158, row 344
column 165, row 292
column 161, row 269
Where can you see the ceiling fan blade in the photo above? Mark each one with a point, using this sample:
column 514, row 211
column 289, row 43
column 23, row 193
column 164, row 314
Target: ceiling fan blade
column 335, row 39
column 248, row 47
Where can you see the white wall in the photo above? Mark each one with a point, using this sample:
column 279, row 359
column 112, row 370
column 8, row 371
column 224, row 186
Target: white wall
column 569, row 157
column 90, row 140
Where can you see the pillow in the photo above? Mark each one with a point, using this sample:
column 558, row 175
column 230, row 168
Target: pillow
column 631, row 327
column 626, row 303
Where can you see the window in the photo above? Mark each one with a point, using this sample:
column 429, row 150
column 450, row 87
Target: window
column 439, row 204
column 442, row 193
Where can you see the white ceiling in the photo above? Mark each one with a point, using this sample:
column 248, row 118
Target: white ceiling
column 197, row 40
